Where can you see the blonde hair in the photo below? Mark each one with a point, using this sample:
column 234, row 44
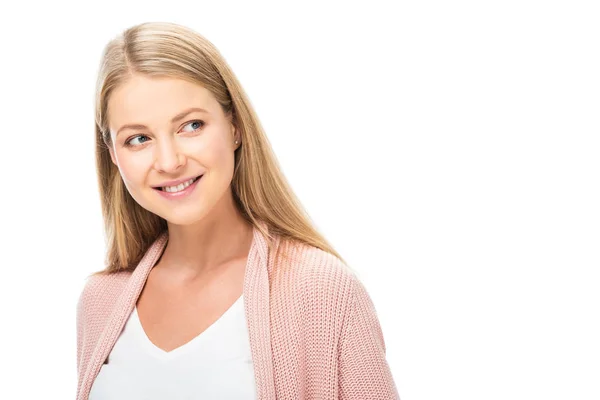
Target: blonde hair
column 260, row 190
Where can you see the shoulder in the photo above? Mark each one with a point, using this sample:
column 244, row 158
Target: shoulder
column 94, row 306
column 99, row 293
column 320, row 279
column 331, row 302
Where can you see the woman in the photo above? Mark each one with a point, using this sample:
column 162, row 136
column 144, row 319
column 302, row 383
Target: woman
column 217, row 285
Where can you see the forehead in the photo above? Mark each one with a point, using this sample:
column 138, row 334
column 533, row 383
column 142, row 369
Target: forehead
column 148, row 100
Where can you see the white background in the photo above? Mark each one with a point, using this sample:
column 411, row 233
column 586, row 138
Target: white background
column 448, row 150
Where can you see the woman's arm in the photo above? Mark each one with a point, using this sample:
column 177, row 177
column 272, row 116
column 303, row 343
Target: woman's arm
column 79, row 323
column 363, row 369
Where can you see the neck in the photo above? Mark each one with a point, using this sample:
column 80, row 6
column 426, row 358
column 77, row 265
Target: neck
column 221, row 237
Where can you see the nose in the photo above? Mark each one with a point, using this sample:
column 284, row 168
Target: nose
column 168, row 157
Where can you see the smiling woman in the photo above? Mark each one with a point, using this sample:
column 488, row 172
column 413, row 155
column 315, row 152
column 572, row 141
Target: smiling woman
column 214, row 272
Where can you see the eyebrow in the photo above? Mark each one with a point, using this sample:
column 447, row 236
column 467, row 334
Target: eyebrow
column 173, row 120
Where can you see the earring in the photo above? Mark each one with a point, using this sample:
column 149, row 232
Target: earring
column 236, row 142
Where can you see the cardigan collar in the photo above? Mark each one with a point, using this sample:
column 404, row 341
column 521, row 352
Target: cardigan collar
column 256, row 309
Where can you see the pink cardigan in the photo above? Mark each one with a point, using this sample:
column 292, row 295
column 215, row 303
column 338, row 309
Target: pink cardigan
column 314, row 331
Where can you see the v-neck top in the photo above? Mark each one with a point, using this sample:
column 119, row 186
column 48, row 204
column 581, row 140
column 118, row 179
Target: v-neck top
column 314, row 332
column 202, row 368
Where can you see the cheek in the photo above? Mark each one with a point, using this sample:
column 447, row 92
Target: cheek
column 132, row 167
column 213, row 154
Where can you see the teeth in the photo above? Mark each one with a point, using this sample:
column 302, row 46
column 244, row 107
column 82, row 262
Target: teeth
column 178, row 188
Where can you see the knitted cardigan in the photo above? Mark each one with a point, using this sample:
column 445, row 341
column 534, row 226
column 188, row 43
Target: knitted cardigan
column 313, row 329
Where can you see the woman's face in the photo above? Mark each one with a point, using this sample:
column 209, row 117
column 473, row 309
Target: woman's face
column 169, row 144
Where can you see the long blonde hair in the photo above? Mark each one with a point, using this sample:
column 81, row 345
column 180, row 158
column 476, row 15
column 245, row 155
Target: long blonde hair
column 261, row 192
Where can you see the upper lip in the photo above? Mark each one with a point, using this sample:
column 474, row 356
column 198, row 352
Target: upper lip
column 176, row 182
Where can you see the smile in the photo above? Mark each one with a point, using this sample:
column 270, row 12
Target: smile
column 180, row 190
column 180, row 187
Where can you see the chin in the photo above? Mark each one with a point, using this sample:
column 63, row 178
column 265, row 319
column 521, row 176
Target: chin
column 181, row 216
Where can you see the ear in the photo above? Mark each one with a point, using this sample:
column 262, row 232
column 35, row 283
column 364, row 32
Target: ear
column 235, row 136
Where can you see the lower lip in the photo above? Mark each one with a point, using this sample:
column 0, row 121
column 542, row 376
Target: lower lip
column 178, row 195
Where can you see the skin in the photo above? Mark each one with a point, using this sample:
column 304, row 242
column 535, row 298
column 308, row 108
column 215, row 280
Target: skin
column 206, row 232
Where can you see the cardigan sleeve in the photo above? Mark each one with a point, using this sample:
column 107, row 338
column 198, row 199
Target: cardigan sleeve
column 363, row 369
column 80, row 323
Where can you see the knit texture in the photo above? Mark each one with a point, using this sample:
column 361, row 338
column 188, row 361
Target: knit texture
column 314, row 332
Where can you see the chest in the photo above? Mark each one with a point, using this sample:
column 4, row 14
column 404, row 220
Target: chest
column 200, row 368
column 171, row 315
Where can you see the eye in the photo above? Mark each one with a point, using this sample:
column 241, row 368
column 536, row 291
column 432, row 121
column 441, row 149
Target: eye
column 128, row 142
column 196, row 124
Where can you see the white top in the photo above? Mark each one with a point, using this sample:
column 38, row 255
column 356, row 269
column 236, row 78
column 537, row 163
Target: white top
column 217, row 364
